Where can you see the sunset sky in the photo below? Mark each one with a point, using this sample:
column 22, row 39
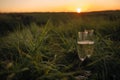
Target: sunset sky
column 57, row 5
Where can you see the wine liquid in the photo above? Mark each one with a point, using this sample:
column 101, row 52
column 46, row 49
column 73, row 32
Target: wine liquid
column 85, row 49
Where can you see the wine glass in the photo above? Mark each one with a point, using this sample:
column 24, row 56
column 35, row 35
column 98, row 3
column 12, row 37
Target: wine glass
column 90, row 49
column 82, row 37
column 85, row 44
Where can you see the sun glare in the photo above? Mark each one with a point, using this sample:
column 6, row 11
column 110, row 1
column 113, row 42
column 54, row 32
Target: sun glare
column 78, row 10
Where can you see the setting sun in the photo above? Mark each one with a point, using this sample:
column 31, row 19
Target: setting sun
column 58, row 5
column 78, row 10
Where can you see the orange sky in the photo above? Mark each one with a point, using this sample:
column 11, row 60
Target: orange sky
column 57, row 5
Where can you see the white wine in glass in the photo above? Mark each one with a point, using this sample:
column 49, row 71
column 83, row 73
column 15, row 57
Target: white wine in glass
column 82, row 36
column 85, row 44
column 89, row 48
column 81, row 50
column 90, row 43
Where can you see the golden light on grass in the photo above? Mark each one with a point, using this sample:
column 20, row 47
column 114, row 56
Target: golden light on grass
column 78, row 10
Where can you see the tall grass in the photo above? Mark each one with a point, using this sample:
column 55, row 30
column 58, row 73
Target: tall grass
column 35, row 53
column 49, row 52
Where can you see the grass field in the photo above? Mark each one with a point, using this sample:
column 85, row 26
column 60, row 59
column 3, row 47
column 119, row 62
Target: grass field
column 43, row 46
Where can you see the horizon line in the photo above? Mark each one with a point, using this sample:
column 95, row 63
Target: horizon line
column 60, row 11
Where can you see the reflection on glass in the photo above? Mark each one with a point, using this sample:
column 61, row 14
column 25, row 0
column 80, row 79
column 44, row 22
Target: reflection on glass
column 85, row 44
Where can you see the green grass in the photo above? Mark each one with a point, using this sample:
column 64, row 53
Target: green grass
column 49, row 52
